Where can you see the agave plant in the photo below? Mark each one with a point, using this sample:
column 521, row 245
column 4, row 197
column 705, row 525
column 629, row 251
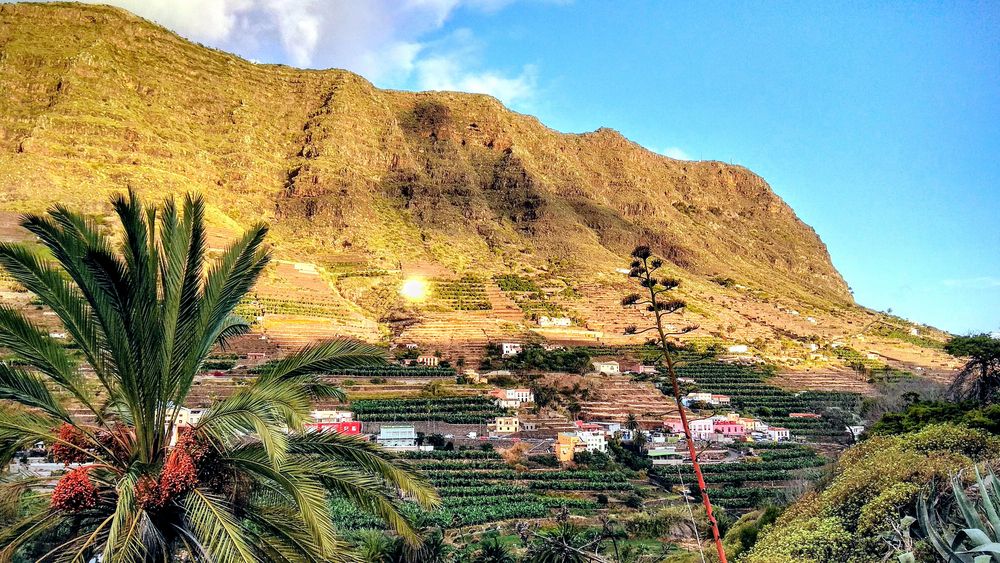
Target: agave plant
column 245, row 483
column 963, row 529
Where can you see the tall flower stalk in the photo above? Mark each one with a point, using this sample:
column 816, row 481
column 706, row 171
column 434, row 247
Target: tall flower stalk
column 643, row 269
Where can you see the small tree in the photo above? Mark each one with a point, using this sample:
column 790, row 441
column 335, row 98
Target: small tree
column 654, row 298
column 979, row 380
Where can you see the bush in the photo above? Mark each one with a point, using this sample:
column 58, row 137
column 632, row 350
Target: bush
column 632, row 500
column 874, row 483
column 923, row 413
column 544, row 460
column 571, row 360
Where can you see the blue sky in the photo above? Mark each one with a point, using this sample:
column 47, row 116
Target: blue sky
column 879, row 123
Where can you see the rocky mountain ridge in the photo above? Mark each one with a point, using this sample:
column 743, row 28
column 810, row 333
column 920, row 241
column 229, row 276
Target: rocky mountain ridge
column 369, row 186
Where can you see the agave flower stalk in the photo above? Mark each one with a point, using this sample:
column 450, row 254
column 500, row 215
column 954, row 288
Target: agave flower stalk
column 643, row 269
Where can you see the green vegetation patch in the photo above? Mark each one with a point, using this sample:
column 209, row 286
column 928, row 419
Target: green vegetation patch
column 465, row 294
column 453, row 410
column 515, row 283
column 476, row 487
column 876, row 371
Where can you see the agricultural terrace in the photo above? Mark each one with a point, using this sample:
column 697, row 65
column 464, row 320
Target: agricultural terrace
column 395, row 371
column 255, row 306
column 478, row 487
column 453, row 410
column 753, row 482
column 875, row 370
column 752, row 395
column 467, row 293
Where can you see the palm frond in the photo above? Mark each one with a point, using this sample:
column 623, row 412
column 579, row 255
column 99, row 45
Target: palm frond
column 371, row 458
column 17, row 534
column 217, row 529
column 54, row 289
column 26, row 388
column 125, row 542
column 260, row 410
column 325, row 357
column 36, row 348
column 299, row 481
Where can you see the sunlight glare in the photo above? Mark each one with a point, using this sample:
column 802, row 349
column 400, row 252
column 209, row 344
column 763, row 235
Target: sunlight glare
column 414, row 289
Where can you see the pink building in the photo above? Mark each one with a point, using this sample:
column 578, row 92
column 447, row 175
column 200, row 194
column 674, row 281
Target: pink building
column 673, row 425
column 730, row 428
column 701, row 428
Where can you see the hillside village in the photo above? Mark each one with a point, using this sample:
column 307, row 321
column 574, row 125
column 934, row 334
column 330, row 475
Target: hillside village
column 429, row 336
column 533, row 410
column 612, row 404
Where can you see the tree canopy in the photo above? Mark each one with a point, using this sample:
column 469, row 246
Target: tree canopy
column 979, row 380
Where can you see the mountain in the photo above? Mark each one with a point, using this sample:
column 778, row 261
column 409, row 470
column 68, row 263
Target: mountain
column 365, row 187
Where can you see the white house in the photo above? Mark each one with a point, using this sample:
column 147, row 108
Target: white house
column 397, row 436
column 429, row 361
column 777, row 433
column 185, row 417
column 738, row 349
column 702, row 428
column 508, row 349
column 512, row 398
column 554, row 321
column 331, row 416
column 189, row 417
column 607, row 368
column 710, row 398
column 593, row 441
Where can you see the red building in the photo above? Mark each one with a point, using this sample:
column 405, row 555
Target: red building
column 351, row 427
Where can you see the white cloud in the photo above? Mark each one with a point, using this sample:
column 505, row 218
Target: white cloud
column 449, row 65
column 980, row 282
column 675, row 152
column 386, row 41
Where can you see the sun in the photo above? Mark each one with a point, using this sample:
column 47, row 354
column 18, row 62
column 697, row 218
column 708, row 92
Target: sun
column 414, row 289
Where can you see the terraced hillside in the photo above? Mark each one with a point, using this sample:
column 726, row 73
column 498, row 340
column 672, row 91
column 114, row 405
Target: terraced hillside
column 365, row 187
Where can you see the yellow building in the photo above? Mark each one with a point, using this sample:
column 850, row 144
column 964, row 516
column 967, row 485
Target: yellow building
column 565, row 446
column 505, row 425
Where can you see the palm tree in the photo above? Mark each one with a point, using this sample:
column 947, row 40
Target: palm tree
column 245, row 483
column 493, row 550
column 373, row 546
column 565, row 543
column 632, row 424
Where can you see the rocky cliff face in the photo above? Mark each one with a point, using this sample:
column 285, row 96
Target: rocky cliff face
column 97, row 100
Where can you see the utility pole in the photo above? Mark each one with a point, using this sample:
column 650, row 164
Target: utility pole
column 642, row 268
